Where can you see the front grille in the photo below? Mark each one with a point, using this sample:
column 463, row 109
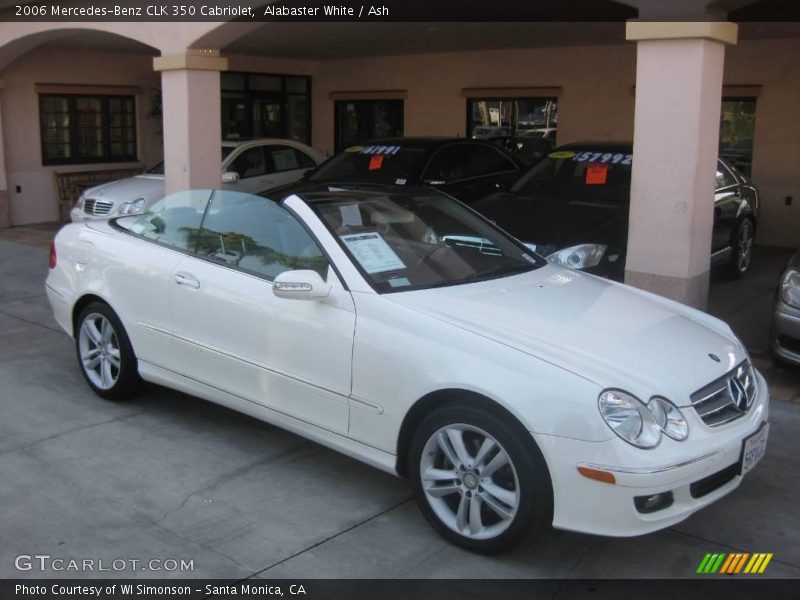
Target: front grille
column 94, row 206
column 726, row 398
column 713, row 482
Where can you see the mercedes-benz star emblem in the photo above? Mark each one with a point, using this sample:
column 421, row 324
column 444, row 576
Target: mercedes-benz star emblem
column 738, row 394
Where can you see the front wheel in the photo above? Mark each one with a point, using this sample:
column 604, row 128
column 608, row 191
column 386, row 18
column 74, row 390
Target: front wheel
column 479, row 481
column 743, row 240
column 105, row 354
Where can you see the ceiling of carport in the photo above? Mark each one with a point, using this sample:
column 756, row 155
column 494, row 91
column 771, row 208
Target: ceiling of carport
column 321, row 41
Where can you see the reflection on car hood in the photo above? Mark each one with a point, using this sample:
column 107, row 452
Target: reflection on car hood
column 124, row 190
column 557, row 221
column 609, row 333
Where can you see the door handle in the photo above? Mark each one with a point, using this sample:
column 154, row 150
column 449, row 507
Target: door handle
column 187, row 279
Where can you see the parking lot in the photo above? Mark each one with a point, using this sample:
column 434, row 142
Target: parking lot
column 169, row 476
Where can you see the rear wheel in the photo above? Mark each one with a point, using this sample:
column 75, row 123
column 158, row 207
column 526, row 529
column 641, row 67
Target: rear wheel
column 105, row 354
column 743, row 239
column 480, row 482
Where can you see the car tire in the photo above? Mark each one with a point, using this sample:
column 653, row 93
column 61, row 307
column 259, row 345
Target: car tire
column 742, row 246
column 481, row 511
column 104, row 352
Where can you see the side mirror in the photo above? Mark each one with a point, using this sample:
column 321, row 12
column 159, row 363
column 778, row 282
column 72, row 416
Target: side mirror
column 302, row 284
column 230, row 177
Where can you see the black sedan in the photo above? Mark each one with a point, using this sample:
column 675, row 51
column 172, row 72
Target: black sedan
column 572, row 207
column 465, row 169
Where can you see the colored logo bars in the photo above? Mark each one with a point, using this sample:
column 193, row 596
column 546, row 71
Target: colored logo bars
column 735, row 563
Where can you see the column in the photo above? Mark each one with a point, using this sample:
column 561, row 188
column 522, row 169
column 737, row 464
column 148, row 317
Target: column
column 676, row 131
column 190, row 98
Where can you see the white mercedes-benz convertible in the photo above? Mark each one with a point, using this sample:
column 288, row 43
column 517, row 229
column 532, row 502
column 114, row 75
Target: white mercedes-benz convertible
column 405, row 330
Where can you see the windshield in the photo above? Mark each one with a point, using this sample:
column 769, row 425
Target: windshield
column 407, row 241
column 583, row 174
column 159, row 168
column 393, row 165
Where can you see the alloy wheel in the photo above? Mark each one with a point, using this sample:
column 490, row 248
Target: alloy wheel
column 99, row 351
column 470, row 481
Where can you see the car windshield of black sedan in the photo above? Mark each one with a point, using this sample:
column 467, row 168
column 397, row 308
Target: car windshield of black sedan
column 591, row 174
column 409, row 241
column 388, row 164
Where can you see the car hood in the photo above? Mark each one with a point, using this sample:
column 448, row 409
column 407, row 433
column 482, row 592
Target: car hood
column 557, row 222
column 606, row 332
column 125, row 190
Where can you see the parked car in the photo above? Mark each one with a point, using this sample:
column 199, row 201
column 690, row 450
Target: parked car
column 251, row 166
column 512, row 392
column 466, row 169
column 785, row 328
column 528, row 149
column 573, row 207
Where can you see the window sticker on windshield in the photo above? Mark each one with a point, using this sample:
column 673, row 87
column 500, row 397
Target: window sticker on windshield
column 596, row 174
column 399, row 282
column 400, row 181
column 354, row 149
column 372, row 252
column 351, row 215
column 384, row 150
column 604, row 157
column 376, row 162
column 562, row 154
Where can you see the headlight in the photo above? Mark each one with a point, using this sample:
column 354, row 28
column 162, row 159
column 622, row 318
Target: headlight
column 81, row 200
column 132, row 208
column 582, row 256
column 629, row 418
column 669, row 418
column 790, row 288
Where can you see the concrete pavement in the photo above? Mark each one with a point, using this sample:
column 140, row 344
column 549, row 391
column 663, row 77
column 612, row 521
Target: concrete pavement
column 170, row 476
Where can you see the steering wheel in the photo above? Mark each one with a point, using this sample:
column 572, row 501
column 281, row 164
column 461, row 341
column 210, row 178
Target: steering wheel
column 426, row 257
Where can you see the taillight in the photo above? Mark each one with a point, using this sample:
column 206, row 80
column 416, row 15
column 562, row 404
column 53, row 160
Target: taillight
column 53, row 257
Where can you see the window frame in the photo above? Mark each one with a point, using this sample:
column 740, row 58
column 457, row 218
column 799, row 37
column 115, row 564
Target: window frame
column 74, row 128
column 337, row 104
column 249, row 94
column 469, row 126
column 738, row 97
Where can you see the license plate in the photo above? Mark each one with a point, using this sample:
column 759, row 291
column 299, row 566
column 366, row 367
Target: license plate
column 753, row 449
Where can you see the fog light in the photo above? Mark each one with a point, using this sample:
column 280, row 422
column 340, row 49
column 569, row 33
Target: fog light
column 653, row 503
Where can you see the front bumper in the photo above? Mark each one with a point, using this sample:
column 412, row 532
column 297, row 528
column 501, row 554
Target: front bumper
column 785, row 332
column 710, row 462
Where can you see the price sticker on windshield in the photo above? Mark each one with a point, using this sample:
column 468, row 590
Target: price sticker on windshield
column 596, row 174
column 376, row 162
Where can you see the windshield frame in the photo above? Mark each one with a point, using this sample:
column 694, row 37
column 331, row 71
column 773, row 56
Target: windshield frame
column 537, row 261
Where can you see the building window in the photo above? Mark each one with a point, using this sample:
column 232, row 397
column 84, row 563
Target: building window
column 361, row 120
column 80, row 129
column 259, row 105
column 492, row 118
column 736, row 130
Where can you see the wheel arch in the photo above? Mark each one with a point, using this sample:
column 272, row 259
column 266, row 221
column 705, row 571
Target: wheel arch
column 82, row 303
column 437, row 399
